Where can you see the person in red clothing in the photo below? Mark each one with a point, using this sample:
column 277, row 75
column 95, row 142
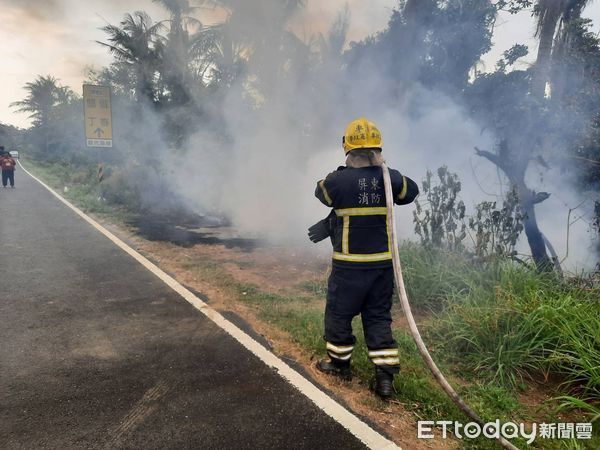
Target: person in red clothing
column 7, row 164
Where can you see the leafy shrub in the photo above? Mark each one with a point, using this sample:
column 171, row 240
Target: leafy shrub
column 438, row 219
column 497, row 230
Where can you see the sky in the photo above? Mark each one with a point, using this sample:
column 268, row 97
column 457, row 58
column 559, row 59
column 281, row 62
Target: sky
column 58, row 37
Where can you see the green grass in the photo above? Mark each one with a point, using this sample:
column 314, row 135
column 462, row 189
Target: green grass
column 568, row 403
column 527, row 325
column 432, row 276
column 503, row 323
column 314, row 287
column 81, row 186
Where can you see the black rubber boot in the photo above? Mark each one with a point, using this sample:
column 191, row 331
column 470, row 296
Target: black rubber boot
column 384, row 384
column 339, row 369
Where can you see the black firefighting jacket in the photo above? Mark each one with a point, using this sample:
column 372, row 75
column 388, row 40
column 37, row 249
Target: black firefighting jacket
column 360, row 234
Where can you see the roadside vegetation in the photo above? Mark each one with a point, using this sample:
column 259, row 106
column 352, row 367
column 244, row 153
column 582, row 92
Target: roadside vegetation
column 78, row 182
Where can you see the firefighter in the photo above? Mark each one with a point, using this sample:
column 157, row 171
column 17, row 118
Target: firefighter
column 362, row 278
column 7, row 164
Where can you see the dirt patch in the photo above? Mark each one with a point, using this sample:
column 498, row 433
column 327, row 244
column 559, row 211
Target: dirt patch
column 540, row 393
column 277, row 271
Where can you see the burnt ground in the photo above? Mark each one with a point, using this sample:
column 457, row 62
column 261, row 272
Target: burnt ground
column 187, row 230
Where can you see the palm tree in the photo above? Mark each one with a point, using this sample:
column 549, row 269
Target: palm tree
column 137, row 44
column 44, row 95
column 247, row 39
column 177, row 57
column 552, row 17
column 331, row 46
column 45, row 101
column 517, row 151
column 222, row 58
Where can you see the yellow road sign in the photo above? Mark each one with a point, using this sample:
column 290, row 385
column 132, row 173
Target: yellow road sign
column 98, row 116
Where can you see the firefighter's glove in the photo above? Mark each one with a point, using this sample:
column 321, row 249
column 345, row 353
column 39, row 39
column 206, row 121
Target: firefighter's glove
column 319, row 231
column 322, row 229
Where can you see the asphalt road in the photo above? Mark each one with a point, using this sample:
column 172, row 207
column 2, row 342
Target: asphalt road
column 97, row 352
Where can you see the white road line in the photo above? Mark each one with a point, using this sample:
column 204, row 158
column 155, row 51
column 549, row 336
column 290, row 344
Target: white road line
column 353, row 424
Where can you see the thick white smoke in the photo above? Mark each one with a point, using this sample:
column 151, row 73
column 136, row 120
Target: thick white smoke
column 265, row 181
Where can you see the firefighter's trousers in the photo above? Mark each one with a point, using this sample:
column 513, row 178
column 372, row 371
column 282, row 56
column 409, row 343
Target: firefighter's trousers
column 367, row 292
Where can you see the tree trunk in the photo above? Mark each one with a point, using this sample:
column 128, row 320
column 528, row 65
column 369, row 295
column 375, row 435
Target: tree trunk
column 535, row 239
column 528, row 199
column 547, row 30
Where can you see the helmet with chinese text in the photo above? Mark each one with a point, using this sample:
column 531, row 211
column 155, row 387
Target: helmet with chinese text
column 361, row 133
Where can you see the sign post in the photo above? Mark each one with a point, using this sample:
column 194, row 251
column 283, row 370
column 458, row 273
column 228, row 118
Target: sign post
column 98, row 116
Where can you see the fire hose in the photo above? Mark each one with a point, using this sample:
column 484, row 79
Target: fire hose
column 414, row 331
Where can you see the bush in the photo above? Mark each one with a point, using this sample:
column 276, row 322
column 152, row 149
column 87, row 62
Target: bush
column 116, row 190
column 440, row 220
column 438, row 217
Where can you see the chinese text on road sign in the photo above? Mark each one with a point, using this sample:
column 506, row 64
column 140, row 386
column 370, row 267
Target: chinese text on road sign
column 98, row 116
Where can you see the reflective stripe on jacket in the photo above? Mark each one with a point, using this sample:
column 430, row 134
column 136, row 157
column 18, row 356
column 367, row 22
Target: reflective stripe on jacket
column 361, row 237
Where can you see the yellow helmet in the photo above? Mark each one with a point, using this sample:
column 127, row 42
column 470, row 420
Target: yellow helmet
column 361, row 134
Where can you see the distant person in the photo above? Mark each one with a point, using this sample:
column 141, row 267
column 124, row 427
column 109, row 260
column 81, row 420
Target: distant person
column 7, row 164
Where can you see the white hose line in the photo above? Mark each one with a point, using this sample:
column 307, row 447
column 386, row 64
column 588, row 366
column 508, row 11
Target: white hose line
column 389, row 197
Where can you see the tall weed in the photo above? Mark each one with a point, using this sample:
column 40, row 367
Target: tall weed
column 529, row 324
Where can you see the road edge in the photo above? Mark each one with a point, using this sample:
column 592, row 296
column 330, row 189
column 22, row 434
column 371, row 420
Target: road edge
column 361, row 430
